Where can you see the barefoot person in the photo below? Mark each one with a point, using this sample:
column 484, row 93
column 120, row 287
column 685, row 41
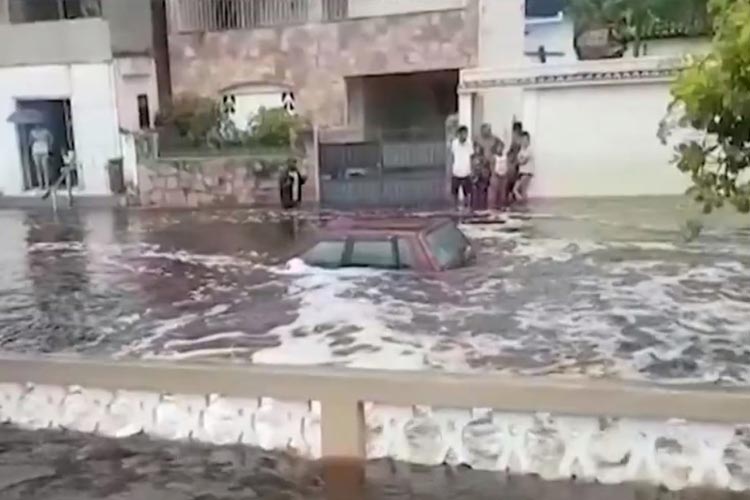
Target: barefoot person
column 525, row 168
column 461, row 151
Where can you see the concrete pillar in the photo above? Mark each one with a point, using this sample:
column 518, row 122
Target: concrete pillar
column 466, row 110
column 502, row 26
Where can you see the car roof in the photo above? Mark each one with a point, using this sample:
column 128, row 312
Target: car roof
column 383, row 224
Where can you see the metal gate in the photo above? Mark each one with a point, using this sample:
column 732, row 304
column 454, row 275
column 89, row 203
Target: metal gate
column 405, row 174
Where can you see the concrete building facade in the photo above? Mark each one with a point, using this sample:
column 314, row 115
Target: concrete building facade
column 86, row 71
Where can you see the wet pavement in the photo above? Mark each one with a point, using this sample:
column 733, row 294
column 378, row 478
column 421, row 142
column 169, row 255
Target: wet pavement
column 55, row 465
column 597, row 288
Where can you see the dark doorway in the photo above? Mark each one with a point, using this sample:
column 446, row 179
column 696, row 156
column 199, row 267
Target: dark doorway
column 57, row 120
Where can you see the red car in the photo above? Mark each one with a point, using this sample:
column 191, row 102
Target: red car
column 419, row 244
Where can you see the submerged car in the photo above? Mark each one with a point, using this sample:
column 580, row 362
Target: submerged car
column 419, row 244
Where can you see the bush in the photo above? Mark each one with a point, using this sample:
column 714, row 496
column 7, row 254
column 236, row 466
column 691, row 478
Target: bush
column 274, row 128
column 192, row 117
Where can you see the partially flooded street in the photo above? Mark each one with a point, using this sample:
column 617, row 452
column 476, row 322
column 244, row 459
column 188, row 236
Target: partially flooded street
column 609, row 288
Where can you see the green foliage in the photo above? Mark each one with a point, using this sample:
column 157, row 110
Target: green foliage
column 274, row 127
column 192, row 117
column 195, row 122
column 636, row 20
column 713, row 96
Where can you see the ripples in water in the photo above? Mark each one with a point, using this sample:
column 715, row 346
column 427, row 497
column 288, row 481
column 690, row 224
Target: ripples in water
column 613, row 291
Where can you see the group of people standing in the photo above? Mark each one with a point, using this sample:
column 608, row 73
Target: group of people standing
column 488, row 176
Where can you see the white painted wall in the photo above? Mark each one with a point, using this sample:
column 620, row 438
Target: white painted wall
column 555, row 35
column 600, row 141
column 90, row 87
column 501, row 44
column 250, row 98
column 135, row 76
column 375, row 8
column 675, row 47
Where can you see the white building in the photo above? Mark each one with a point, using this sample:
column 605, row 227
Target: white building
column 593, row 123
column 85, row 67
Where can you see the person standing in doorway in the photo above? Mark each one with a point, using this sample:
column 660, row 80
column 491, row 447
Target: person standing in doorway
column 41, row 146
column 461, row 151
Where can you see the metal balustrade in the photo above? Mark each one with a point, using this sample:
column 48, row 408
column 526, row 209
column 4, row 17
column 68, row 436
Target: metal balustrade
column 187, row 16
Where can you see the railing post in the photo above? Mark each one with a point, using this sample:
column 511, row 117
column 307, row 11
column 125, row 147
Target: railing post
column 343, row 440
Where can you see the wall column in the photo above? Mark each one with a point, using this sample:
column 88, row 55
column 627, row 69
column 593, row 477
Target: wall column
column 466, row 110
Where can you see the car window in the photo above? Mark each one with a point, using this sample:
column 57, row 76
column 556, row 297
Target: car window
column 378, row 254
column 325, row 254
column 405, row 254
column 448, row 244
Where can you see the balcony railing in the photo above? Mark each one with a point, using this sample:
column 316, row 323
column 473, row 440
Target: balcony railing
column 188, row 16
column 28, row 11
column 219, row 15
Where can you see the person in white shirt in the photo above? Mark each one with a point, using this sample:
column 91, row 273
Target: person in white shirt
column 461, row 151
column 41, row 147
column 525, row 169
column 499, row 182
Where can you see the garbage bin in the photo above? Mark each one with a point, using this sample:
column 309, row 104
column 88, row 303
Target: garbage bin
column 116, row 176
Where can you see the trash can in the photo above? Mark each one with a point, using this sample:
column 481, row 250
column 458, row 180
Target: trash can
column 116, row 176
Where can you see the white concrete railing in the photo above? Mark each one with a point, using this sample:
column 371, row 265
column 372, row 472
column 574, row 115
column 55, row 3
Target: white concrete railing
column 593, row 430
column 577, row 73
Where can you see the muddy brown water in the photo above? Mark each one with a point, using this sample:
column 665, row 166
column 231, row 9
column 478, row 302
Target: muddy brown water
column 598, row 288
column 55, row 465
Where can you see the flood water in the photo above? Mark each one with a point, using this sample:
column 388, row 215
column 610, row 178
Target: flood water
column 53, row 465
column 600, row 288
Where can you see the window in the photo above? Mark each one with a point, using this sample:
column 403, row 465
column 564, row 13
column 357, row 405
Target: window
column 448, row 244
column 379, row 254
column 325, row 254
column 144, row 114
column 405, row 254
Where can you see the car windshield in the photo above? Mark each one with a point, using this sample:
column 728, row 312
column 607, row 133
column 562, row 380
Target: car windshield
column 373, row 253
column 325, row 254
column 448, row 244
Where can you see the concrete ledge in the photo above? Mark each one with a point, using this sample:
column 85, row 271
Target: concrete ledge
column 506, row 393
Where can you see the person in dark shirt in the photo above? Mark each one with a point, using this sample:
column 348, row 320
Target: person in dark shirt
column 291, row 181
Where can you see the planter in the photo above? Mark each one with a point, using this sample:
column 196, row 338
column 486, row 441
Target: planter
column 599, row 43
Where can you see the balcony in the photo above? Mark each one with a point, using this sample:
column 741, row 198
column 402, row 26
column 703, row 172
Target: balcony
column 35, row 39
column 29, row 11
column 188, row 16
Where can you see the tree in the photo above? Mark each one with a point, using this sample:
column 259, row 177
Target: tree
column 712, row 96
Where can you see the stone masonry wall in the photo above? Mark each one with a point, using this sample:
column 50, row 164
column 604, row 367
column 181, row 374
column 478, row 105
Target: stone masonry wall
column 313, row 59
column 211, row 182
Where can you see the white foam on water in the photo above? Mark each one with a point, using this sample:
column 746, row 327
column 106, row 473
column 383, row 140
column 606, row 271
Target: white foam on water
column 324, row 303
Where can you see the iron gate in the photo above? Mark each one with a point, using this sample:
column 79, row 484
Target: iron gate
column 405, row 174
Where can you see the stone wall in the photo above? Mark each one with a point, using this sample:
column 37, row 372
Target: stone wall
column 313, row 59
column 676, row 454
column 210, row 182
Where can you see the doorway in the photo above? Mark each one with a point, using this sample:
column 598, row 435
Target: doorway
column 56, row 119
